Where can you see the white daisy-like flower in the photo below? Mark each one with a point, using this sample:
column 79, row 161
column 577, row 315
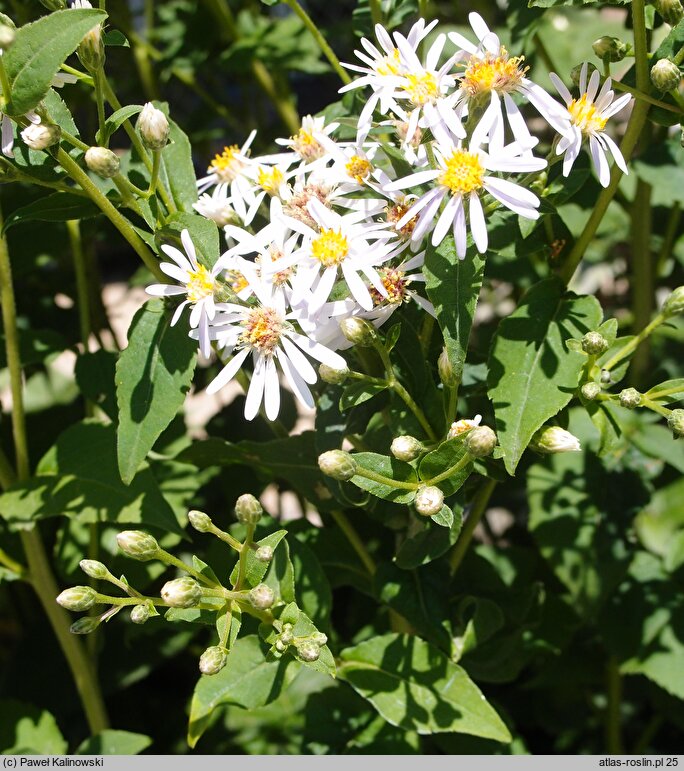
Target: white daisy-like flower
column 217, row 206
column 266, row 180
column 489, row 70
column 229, row 167
column 587, row 117
column 459, row 427
column 342, row 244
column 306, row 145
column 198, row 284
column 397, row 282
column 462, row 175
column 266, row 332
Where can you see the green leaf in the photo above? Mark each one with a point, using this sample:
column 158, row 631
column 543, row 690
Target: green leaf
column 40, row 49
column 115, row 120
column 311, row 585
column 35, row 345
column 668, row 391
column 430, row 542
column 56, row 207
column 29, row 730
column 204, row 234
column 248, row 680
column 387, row 467
column 453, row 287
column 95, row 376
column 532, row 373
column 111, row 742
column 358, row 393
column 255, row 570
column 178, row 170
column 413, row 685
column 153, row 375
column 448, row 454
column 115, row 37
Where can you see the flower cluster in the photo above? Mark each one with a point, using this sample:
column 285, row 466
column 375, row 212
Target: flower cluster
column 327, row 229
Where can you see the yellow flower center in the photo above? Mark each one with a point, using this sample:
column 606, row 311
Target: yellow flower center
column 493, row 73
column 395, row 283
column 227, row 165
column 330, row 248
column 358, row 168
column 585, row 115
column 390, row 64
column 237, row 281
column 461, row 426
column 263, row 328
column 270, row 179
column 422, row 88
column 306, row 145
column 463, row 172
column 396, row 212
column 200, row 285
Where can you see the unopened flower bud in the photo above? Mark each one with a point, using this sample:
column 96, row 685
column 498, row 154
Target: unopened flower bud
column 610, row 48
column 85, row 625
column 248, row 510
column 286, row 636
column 77, row 598
column 675, row 422
column 358, row 331
column 154, row 127
column 665, row 75
column 7, row 35
column 213, row 660
column 261, row 597
column 94, row 569
column 338, row 464
column 102, row 161
column 182, row 592
column 308, row 650
column 629, row 398
column 671, row 11
column 594, row 343
column 553, row 439
column 406, row 448
column 332, row 375
column 91, row 50
column 446, row 371
column 429, row 500
column 264, row 554
column 280, row 646
column 675, row 302
column 606, row 377
column 480, row 442
column 590, row 391
column 575, row 72
column 40, row 136
column 319, row 638
column 138, row 545
column 200, row 521
column 140, row 613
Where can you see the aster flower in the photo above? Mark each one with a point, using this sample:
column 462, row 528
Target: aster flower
column 459, row 427
column 217, row 206
column 229, row 167
column 265, row 331
column 587, row 117
column 397, row 282
column 307, row 144
column 198, row 284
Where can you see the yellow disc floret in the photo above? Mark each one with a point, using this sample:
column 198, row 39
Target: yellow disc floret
column 422, row 89
column 463, row 172
column 585, row 115
column 227, row 165
column 270, row 179
column 501, row 73
column 330, row 247
column 395, row 283
column 200, row 285
column 390, row 64
column 396, row 212
column 263, row 328
column 306, row 146
column 358, row 168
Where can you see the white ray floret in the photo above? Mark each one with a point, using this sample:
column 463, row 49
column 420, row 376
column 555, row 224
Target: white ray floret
column 229, row 167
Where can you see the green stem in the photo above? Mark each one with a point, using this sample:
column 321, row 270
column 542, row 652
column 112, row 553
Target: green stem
column 459, row 466
column 226, row 538
column 383, row 480
column 652, row 728
column 100, row 100
column 354, row 539
column 626, row 349
column 477, row 509
column 376, row 12
column 679, row 57
column 242, row 559
column 171, row 559
column 7, row 475
column 642, row 279
column 82, row 293
column 618, row 86
column 659, row 408
column 4, row 82
column 422, row 8
column 452, row 405
column 154, row 179
column 13, row 565
column 322, row 42
column 612, row 719
column 671, row 232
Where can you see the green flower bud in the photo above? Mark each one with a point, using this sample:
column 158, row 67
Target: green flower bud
column 553, row 439
column 91, row 50
column 319, row 638
column 480, row 442
column 286, row 636
column 675, row 302
column 78, row 598
column 140, row 613
column 264, row 554
column 138, row 545
column 610, row 48
column 594, row 343
column 280, row 646
column 665, row 75
column 333, row 376
column 629, row 398
column 102, row 161
column 40, row 136
column 261, row 597
column 308, row 650
column 248, row 510
column 406, row 448
column 590, row 391
column 445, row 369
column 213, row 660
column 429, row 500
column 675, row 423
column 200, row 521
column 671, row 11
column 154, row 127
column 358, row 331
column 338, row 464
column 85, row 625
column 575, row 72
column 182, row 592
column 7, row 35
column 94, row 569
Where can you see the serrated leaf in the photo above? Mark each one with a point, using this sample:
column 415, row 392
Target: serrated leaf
column 178, row 171
column 153, row 375
column 29, row 730
column 447, row 455
column 255, row 570
column 431, row 542
column 358, row 393
column 387, row 467
column 115, row 120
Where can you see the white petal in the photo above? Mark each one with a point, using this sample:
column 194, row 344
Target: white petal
column 598, row 156
column 228, row 372
column 189, row 247
column 419, row 178
column 177, row 256
column 294, row 380
column 446, row 219
column 460, row 233
column 271, row 390
column 164, row 290
column 358, row 289
column 318, row 351
column 177, row 313
column 255, row 392
column 478, row 226
column 299, row 361
column 615, row 150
